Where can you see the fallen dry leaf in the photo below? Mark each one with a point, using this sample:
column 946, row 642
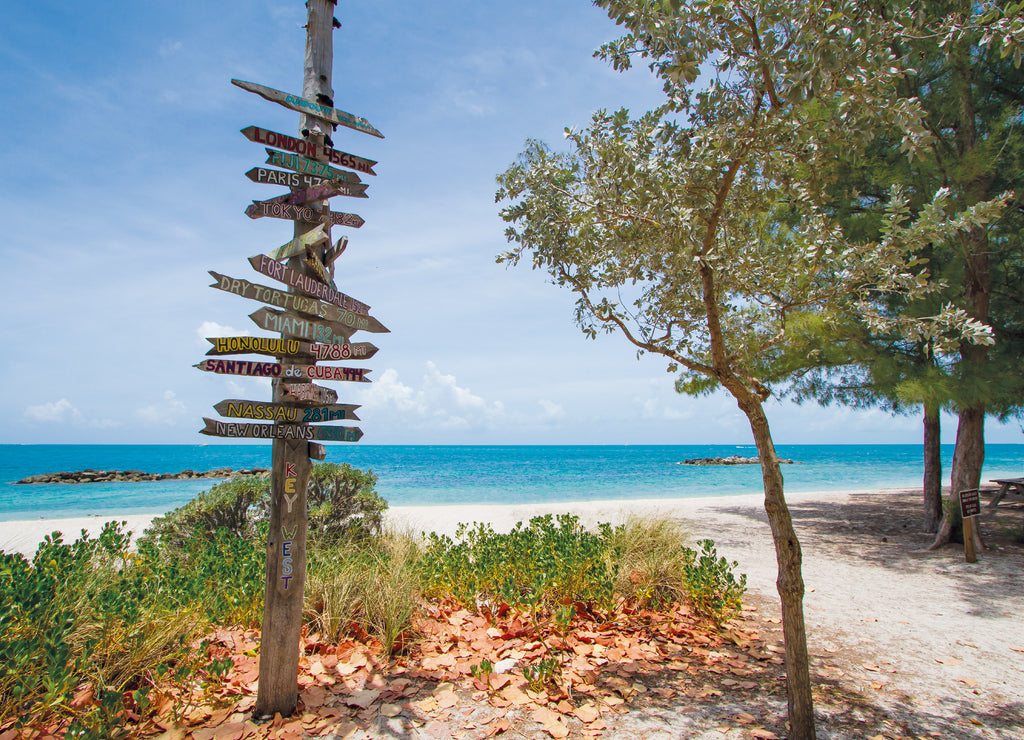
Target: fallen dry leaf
column 497, row 728
column 551, row 722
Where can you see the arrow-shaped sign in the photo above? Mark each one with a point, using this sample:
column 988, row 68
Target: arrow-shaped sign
column 309, row 393
column 316, row 235
column 310, row 108
column 284, row 370
column 238, row 409
column 323, row 191
column 261, row 208
column 275, row 346
column 308, row 166
column 297, row 302
column 308, row 149
column 308, row 285
column 216, row 428
column 312, row 330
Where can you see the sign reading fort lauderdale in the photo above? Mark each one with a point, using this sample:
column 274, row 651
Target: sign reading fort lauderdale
column 280, row 431
column 307, row 284
column 308, row 149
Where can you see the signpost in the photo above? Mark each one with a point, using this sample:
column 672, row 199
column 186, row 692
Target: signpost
column 307, row 149
column 970, row 507
column 310, row 108
column 316, row 324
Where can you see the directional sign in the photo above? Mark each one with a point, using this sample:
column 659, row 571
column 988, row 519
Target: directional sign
column 308, row 166
column 309, row 393
column 259, row 209
column 216, row 428
column 267, row 176
column 281, row 370
column 308, row 285
column 309, row 107
column 314, row 236
column 334, row 252
column 239, row 409
column 297, row 302
column 323, row 191
column 313, row 330
column 276, row 347
column 308, row 149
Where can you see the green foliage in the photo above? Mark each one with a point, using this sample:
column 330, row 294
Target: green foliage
column 552, row 566
column 93, row 612
column 343, row 503
column 372, row 585
column 713, row 588
column 232, row 505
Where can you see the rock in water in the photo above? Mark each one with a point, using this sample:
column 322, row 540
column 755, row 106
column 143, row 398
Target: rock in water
column 731, row 460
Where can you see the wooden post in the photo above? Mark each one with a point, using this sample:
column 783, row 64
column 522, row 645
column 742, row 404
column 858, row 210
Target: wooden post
column 286, row 542
column 970, row 507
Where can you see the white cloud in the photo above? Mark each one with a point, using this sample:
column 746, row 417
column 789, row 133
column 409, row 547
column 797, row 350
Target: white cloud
column 169, row 48
column 168, row 410
column 213, row 329
column 551, row 411
column 439, row 402
column 53, row 411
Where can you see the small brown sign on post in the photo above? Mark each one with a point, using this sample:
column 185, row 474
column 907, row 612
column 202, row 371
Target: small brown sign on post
column 261, row 208
column 308, row 149
column 970, row 507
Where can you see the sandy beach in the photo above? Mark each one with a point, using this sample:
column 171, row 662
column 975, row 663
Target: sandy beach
column 932, row 639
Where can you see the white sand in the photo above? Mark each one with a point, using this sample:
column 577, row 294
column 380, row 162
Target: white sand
column 24, row 536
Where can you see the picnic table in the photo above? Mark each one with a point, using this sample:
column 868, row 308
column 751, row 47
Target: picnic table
column 1005, row 484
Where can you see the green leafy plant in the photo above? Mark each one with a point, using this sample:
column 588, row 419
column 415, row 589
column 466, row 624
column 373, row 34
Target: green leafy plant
column 713, row 588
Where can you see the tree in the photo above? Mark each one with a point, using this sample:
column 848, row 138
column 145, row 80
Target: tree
column 962, row 62
column 698, row 231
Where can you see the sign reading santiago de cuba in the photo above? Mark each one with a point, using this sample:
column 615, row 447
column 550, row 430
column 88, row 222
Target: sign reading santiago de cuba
column 278, row 370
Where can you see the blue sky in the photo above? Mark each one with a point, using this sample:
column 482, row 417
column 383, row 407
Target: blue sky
column 122, row 184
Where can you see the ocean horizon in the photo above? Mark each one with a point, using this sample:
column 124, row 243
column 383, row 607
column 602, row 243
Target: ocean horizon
column 469, row 474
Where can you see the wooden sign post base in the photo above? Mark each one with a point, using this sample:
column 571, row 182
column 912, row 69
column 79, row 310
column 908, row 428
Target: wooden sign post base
column 286, row 576
column 970, row 507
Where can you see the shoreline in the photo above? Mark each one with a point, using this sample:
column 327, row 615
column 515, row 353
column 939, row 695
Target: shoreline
column 24, row 535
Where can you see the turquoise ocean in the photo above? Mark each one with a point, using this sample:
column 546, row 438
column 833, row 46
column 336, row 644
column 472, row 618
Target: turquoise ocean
column 417, row 475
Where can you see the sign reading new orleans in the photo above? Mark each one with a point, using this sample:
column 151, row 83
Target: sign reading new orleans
column 280, row 431
column 239, row 409
column 297, row 302
column 277, row 370
column 309, row 107
column 308, row 149
column 307, row 284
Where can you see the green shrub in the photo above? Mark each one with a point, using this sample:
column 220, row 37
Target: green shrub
column 714, row 590
column 233, row 505
column 343, row 503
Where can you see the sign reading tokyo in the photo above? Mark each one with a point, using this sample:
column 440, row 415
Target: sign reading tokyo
column 261, row 208
column 215, row 428
column 308, row 149
column 309, row 107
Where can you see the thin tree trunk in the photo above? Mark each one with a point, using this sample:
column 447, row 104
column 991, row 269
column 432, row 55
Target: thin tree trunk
column 790, row 582
column 968, row 457
column 932, row 468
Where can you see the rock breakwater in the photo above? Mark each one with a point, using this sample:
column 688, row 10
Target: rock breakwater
column 136, row 476
column 732, row 460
